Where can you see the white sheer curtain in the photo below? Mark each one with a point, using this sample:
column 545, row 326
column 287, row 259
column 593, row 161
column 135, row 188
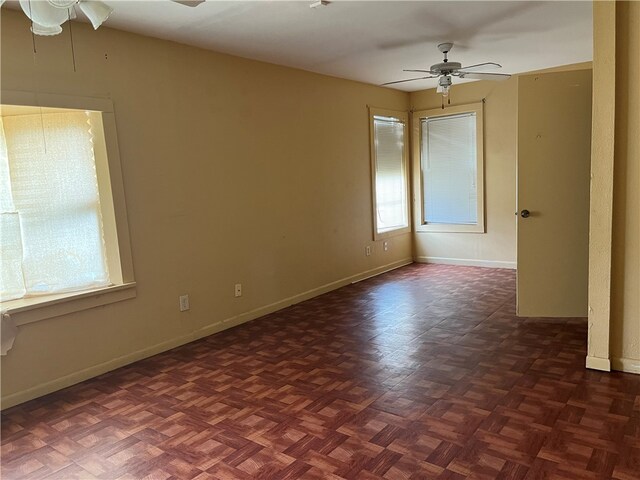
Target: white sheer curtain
column 10, row 238
column 51, row 226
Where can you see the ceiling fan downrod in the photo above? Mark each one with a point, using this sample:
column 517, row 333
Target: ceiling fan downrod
column 445, row 48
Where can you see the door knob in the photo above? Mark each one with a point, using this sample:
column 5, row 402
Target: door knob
column 525, row 213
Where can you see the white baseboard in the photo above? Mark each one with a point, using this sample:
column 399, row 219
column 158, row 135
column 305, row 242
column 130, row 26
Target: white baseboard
column 597, row 363
column 95, row 370
column 90, row 372
column 628, row 365
column 469, row 262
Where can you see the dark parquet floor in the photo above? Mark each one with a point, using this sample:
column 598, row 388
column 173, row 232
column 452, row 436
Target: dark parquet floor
column 421, row 373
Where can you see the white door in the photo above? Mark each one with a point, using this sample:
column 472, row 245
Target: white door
column 554, row 156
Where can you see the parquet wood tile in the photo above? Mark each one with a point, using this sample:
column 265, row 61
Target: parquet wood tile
column 422, row 373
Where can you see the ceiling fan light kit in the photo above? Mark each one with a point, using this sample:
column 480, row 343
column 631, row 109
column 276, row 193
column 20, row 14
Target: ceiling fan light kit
column 45, row 31
column 47, row 16
column 444, row 83
column 63, row 3
column 445, row 70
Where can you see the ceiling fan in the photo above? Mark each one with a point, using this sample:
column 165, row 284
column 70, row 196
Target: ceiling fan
column 445, row 70
column 47, row 16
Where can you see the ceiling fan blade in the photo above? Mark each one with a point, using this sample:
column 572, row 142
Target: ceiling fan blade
column 418, row 71
column 189, row 3
column 472, row 68
column 485, row 76
column 407, row 80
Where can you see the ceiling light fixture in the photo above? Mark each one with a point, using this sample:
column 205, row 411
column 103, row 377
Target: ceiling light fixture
column 47, row 16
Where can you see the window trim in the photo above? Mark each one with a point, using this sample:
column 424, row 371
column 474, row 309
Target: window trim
column 404, row 119
column 114, row 214
column 418, row 208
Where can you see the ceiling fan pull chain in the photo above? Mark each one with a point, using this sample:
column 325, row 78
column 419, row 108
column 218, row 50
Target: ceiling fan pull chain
column 73, row 51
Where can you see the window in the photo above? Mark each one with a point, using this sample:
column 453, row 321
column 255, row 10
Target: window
column 62, row 219
column 389, row 173
column 50, row 220
column 448, row 148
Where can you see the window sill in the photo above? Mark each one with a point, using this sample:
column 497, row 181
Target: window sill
column 450, row 228
column 391, row 233
column 35, row 309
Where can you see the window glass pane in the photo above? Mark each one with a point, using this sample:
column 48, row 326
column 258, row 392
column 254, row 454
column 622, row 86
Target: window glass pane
column 55, row 193
column 390, row 177
column 449, row 169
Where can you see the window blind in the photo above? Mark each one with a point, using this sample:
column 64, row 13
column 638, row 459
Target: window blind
column 51, row 227
column 449, row 169
column 390, row 181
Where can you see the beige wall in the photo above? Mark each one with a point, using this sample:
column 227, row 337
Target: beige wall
column 601, row 193
column 234, row 171
column 496, row 247
column 614, row 270
column 625, row 278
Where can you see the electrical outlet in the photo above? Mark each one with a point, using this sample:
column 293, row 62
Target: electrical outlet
column 367, row 250
column 385, row 246
column 238, row 290
column 184, row 303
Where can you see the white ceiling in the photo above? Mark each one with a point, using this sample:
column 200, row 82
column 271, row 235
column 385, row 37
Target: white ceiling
column 372, row 41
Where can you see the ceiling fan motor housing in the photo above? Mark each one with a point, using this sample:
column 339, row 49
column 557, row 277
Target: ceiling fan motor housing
column 445, row 68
